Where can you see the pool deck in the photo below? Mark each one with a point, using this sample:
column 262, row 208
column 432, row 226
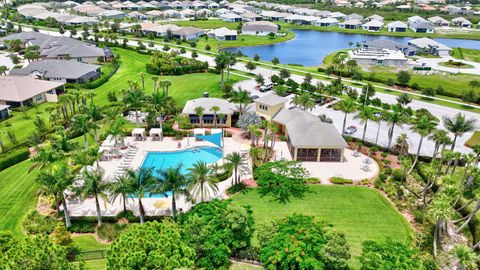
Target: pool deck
column 351, row 168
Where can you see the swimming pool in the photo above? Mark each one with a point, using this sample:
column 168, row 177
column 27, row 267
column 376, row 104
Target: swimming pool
column 188, row 157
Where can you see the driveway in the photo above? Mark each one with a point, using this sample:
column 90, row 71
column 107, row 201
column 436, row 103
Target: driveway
column 434, row 63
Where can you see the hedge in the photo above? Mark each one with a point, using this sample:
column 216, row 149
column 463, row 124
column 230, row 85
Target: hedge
column 100, row 81
column 13, row 157
column 200, row 67
column 340, row 181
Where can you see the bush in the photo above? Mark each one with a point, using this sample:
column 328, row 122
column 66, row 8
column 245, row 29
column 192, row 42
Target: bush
column 340, row 181
column 109, row 231
column 236, row 188
column 13, row 157
column 128, row 215
column 382, row 177
column 282, row 138
column 82, row 226
column 35, row 223
column 387, row 171
column 312, row 180
column 397, row 175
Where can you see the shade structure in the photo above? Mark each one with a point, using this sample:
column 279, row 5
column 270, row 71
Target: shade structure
column 156, row 134
column 138, row 134
column 213, row 138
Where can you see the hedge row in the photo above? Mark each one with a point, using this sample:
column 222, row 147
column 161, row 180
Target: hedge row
column 13, row 157
column 100, row 81
column 187, row 69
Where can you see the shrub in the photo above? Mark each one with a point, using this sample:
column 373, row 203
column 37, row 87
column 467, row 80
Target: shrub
column 397, row 175
column 236, row 188
column 13, row 157
column 128, row 215
column 340, row 181
column 61, row 236
column 282, row 138
column 35, row 223
column 387, row 171
column 373, row 149
column 82, row 226
column 109, row 231
column 312, row 180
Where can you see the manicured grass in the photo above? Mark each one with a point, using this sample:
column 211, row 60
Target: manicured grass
column 100, row 264
column 474, row 140
column 183, row 88
column 361, row 213
column 244, row 266
column 243, row 41
column 466, row 54
column 17, row 195
column 455, row 64
column 88, row 243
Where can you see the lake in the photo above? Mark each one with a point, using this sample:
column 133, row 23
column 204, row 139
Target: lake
column 309, row 47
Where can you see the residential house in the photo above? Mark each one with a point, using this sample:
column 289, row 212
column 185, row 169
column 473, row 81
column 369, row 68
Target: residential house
column 374, row 17
column 60, row 71
column 337, row 15
column 462, row 22
column 373, row 26
column 389, row 45
column 112, row 14
column 203, row 13
column 223, row 34
column 26, row 90
column 377, row 56
column 171, row 14
column 153, row 14
column 430, row 46
column 308, row 138
column 187, row 13
column 274, row 16
column 354, row 16
column 397, row 26
column 351, row 24
column 251, row 17
column 188, row 33
column 438, row 21
column 230, row 17
column 159, row 29
column 260, row 28
column 416, row 19
column 422, row 27
column 137, row 15
column 326, row 22
column 4, row 111
column 301, row 19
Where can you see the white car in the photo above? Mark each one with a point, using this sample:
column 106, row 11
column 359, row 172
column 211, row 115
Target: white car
column 350, row 130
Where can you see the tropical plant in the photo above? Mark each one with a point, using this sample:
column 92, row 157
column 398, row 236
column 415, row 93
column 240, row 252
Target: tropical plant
column 122, row 187
column 202, row 182
column 172, row 180
column 396, row 116
column 236, row 162
column 133, row 100
column 365, row 114
column 94, row 186
column 347, row 106
column 143, row 182
column 242, row 98
column 82, row 125
column 200, row 111
column 304, row 100
column 458, row 125
column 423, row 126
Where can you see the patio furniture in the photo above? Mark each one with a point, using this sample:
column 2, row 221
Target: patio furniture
column 365, row 168
column 156, row 134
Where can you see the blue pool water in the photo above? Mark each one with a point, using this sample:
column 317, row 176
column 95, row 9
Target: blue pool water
column 187, row 157
column 309, row 47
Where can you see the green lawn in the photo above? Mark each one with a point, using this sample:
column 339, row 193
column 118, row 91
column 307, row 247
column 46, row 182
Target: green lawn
column 474, row 140
column 183, row 87
column 88, row 243
column 466, row 54
column 361, row 213
column 17, row 196
column 243, row 41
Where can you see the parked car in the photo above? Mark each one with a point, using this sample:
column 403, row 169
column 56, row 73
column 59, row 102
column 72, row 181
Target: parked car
column 350, row 130
column 254, row 97
column 266, row 87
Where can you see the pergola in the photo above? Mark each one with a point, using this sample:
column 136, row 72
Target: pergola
column 156, row 134
column 138, row 134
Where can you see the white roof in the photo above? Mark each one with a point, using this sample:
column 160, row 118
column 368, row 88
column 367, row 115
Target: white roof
column 426, row 42
column 225, row 106
column 328, row 20
column 398, row 24
column 199, row 131
column 230, row 16
column 221, row 32
column 271, row 100
column 373, row 23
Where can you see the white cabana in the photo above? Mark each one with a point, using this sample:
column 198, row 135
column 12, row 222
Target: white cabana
column 156, row 134
column 107, row 153
column 138, row 134
column 198, row 132
column 216, row 130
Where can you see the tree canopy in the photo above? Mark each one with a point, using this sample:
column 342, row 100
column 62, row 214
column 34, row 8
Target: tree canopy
column 152, row 245
column 389, row 255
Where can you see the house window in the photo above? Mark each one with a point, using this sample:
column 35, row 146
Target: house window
column 263, row 107
column 38, row 98
column 51, row 92
column 307, row 154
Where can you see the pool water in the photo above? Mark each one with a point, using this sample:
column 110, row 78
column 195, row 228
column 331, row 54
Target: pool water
column 188, row 157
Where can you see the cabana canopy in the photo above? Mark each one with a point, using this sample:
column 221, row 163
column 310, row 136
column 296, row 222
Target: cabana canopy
column 155, row 131
column 138, row 131
column 109, row 141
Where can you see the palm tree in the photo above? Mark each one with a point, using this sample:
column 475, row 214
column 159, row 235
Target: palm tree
column 45, row 156
column 366, row 113
column 143, row 183
column 253, row 130
column 159, row 101
column 236, row 162
column 165, row 84
column 202, row 182
column 304, row 100
column 55, row 180
column 440, row 210
column 133, row 100
column 440, row 137
column 94, row 114
column 458, row 125
column 82, row 125
column 347, row 106
column 242, row 98
column 394, row 117
column 467, row 258
column 424, row 127
column 215, row 109
column 200, row 111
column 172, row 180
column 122, row 187
column 94, row 186
column 221, row 63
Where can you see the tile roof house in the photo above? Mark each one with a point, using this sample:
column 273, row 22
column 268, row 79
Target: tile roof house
column 430, row 46
column 374, row 17
column 351, row 24
column 67, row 71
column 25, row 90
column 422, row 27
column 223, row 34
column 438, row 21
column 188, row 33
column 397, row 26
column 462, row 22
column 373, row 25
column 227, row 109
column 59, row 47
column 260, row 28
column 230, row 17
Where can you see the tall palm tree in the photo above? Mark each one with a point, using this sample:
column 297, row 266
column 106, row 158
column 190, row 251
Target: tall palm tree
column 55, row 180
column 440, row 137
column 304, row 100
column 200, row 111
column 242, row 98
column 253, row 130
column 123, row 188
column 440, row 210
column 236, row 162
column 215, row 109
column 94, row 114
column 159, row 101
column 221, row 63
column 347, row 106
column 458, row 125
column 94, row 186
column 82, row 125
column 165, row 84
column 133, row 100
column 423, row 126
column 396, row 116
column 143, row 183
column 202, row 182
column 366, row 113
column 44, row 157
column 174, row 181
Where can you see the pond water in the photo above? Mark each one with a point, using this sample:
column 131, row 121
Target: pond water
column 309, row 47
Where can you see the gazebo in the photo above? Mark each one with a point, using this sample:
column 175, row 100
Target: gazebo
column 156, row 134
column 138, row 134
column 198, row 132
